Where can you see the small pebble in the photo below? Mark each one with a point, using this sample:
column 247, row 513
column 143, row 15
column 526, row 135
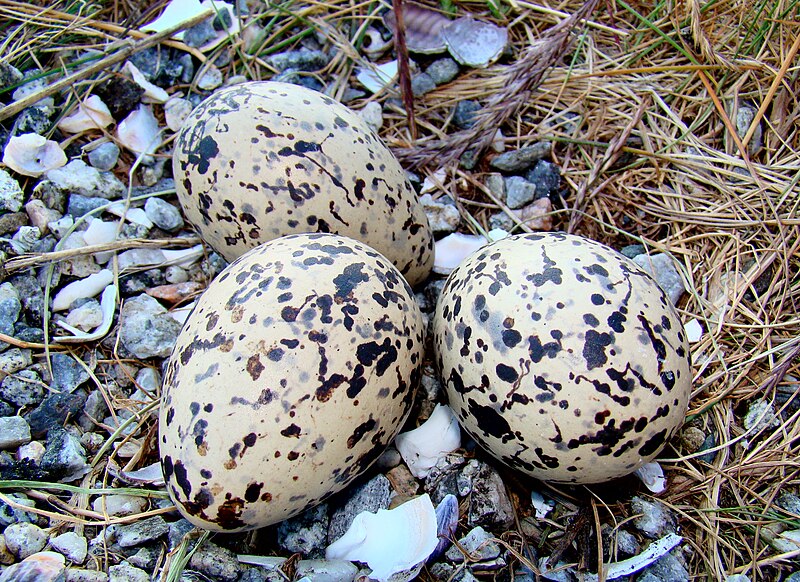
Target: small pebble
column 175, row 274
column 87, row 316
column 25, row 388
column 443, row 70
column 210, row 78
column 654, row 520
column 464, row 113
column 32, row 451
column 140, row 532
column 11, row 194
column 105, row 156
column 737, row 578
column 80, row 205
column 216, row 562
column 665, row 569
column 307, row 533
column 14, row 431
column 72, row 545
column 443, row 215
column 25, row 539
column 9, row 515
column 477, row 543
column 422, row 84
column 302, row 59
column 64, row 457
column 14, row 360
column 662, row 268
column 10, row 307
column 68, row 373
column 119, row 505
column 326, row 570
column 11, row 222
column 25, row 239
column 519, row 191
column 146, row 329
column 372, row 114
column 38, row 567
column 176, row 110
column 760, row 416
column 521, row 159
column 790, row 502
column 200, row 34
column 77, row 177
column 40, row 215
column 163, row 214
column 692, row 439
column 54, row 411
column 547, row 178
column 489, row 504
column 125, row 572
column 375, row 494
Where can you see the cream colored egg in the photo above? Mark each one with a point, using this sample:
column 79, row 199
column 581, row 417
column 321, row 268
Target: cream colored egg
column 296, row 368
column 260, row 160
column 561, row 357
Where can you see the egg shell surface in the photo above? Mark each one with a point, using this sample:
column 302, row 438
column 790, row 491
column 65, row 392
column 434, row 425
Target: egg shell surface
column 296, row 368
column 561, row 357
column 260, row 160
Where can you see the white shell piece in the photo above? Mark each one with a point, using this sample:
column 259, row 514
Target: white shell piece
column 101, row 232
column 453, row 249
column 181, row 314
column 376, row 45
column 178, row 11
column 474, row 43
column 139, row 132
column 88, row 287
column 152, row 93
column 432, row 182
column 389, row 541
column 422, row 447
column 541, row 505
column 694, row 331
column 92, row 113
column 134, row 215
column 641, row 561
column 497, row 234
column 30, row 154
column 183, row 257
column 379, row 78
column 652, row 475
column 108, row 304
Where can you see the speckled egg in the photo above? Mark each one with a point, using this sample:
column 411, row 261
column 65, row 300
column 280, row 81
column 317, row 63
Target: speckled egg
column 561, row 357
column 296, row 368
column 260, row 160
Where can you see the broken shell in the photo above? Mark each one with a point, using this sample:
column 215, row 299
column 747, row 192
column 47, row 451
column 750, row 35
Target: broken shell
column 178, row 11
column 453, row 249
column 474, row 43
column 652, row 475
column 101, row 232
column 541, row 505
column 88, row 287
column 108, row 304
column 422, row 447
column 374, row 45
column 423, row 29
column 152, row 93
column 139, row 132
column 92, row 113
column 31, row 154
column 389, row 541
column 377, row 79
column 134, row 215
column 446, row 524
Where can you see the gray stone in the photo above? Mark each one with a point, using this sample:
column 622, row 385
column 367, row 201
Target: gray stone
column 662, row 268
column 146, row 329
column 302, row 59
column 200, row 34
column 148, row 379
column 68, row 373
column 519, row 191
column 11, row 195
column 25, row 239
column 489, row 504
column 216, row 562
column 77, row 177
column 547, row 177
column 9, row 515
column 177, row 530
column 54, row 411
column 422, row 84
column 105, row 156
column 124, row 572
column 9, row 74
column 389, row 459
column 146, row 557
column 175, row 274
column 78, row 575
column 306, row 533
column 447, row 477
column 522, row 158
column 619, row 543
column 22, row 389
column 375, row 494
column 163, row 214
column 654, row 520
column 443, row 70
column 10, row 306
column 666, row 569
column 11, row 222
column 326, row 570
column 25, row 539
column 64, row 456
column 464, row 113
column 631, row 251
column 79, row 205
column 443, row 216
column 14, row 360
column 117, row 505
column 709, row 443
column 477, row 544
column 14, row 431
column 760, row 416
column 35, row 119
column 32, row 296
column 140, row 532
column 790, row 502
column 73, row 546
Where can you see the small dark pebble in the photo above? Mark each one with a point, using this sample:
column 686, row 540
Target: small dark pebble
column 422, row 84
column 709, row 443
column 135, row 283
column 631, row 251
column 547, row 177
column 68, row 373
column 34, row 119
column 80, row 205
column 22, row 470
column 222, row 21
column 121, row 95
column 464, row 113
column 54, row 411
column 32, row 296
column 11, row 221
column 199, row 34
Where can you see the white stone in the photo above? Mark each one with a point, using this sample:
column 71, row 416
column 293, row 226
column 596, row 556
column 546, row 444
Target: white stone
column 176, row 110
column 72, row 545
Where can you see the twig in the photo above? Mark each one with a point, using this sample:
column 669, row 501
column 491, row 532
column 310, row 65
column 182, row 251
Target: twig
column 402, row 66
